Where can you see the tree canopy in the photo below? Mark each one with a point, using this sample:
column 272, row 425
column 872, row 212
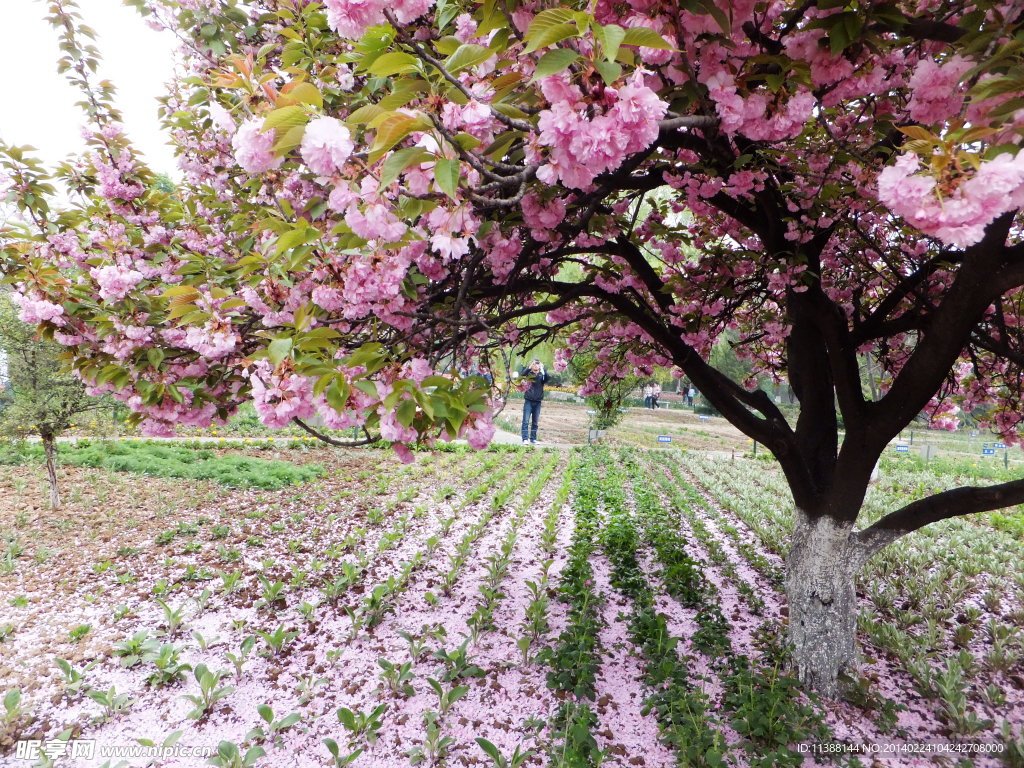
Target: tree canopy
column 372, row 186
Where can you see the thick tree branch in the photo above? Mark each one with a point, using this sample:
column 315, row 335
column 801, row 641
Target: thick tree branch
column 871, row 327
column 952, row 324
column 346, row 444
column 942, row 506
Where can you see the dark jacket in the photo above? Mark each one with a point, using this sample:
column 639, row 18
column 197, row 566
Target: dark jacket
column 536, row 390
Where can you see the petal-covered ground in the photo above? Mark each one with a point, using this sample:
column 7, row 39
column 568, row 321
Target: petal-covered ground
column 596, row 607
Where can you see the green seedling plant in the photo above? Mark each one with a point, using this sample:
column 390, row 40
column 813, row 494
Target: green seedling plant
column 209, row 692
column 273, row 728
column 458, row 662
column 174, row 617
column 417, row 645
column 112, row 703
column 13, row 711
column 308, row 610
column 168, row 668
column 271, row 591
column 396, row 677
column 166, row 744
column 340, row 760
column 356, row 623
column 201, row 601
column 536, row 620
column 306, row 685
column 74, row 679
column 362, row 726
column 243, row 653
column 435, row 747
column 524, row 644
column 299, row 579
column 78, row 633
column 277, row 641
column 498, row 760
column 377, row 606
column 447, row 699
column 203, row 642
column 228, row 554
column 230, row 756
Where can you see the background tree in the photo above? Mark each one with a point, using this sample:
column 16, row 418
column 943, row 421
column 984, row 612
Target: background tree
column 41, row 397
column 372, row 187
column 604, row 389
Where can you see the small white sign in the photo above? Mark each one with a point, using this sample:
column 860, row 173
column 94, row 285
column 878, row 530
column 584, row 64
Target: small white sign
column 704, row 418
column 591, row 412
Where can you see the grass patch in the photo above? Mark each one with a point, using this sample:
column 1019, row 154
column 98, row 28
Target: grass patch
column 156, row 460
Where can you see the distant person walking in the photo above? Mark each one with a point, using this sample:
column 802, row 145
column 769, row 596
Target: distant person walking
column 655, row 394
column 532, row 397
column 690, row 395
column 648, row 396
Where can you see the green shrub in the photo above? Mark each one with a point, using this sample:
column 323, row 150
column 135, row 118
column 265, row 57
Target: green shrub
column 164, row 460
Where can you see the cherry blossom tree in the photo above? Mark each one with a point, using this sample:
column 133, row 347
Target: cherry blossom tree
column 373, row 187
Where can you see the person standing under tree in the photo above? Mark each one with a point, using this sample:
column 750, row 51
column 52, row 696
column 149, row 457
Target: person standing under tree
column 533, row 394
column 655, row 394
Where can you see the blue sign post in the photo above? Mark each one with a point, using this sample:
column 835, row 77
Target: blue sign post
column 591, row 413
column 988, row 451
column 902, row 449
column 704, row 418
column 1001, row 446
column 664, row 438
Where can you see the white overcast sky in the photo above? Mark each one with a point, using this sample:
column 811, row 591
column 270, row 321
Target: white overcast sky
column 38, row 107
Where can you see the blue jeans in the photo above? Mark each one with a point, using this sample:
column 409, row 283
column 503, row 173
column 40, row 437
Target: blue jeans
column 531, row 413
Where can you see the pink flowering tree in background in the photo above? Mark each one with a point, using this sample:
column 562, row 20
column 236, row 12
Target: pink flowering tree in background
column 372, row 189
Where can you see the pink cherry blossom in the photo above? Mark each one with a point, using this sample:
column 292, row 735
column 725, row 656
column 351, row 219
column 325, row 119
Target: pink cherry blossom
column 326, row 145
column 254, row 151
column 351, row 18
column 115, row 282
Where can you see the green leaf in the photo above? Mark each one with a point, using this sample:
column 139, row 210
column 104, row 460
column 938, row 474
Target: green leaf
column 490, row 749
column 406, row 412
column 290, row 140
column 544, row 21
column 436, row 381
column 392, row 130
column 393, row 63
column 266, row 712
column 305, row 93
column 448, row 45
column 398, row 162
column 278, row 351
column 290, row 239
column 366, row 114
column 610, row 71
column 708, row 7
column 553, row 62
column 645, row 38
column 551, row 35
column 285, row 118
column 611, row 38
column 468, row 55
column 446, row 173
column 155, row 356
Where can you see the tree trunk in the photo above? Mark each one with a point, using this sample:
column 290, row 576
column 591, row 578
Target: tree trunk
column 51, row 470
column 820, row 573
